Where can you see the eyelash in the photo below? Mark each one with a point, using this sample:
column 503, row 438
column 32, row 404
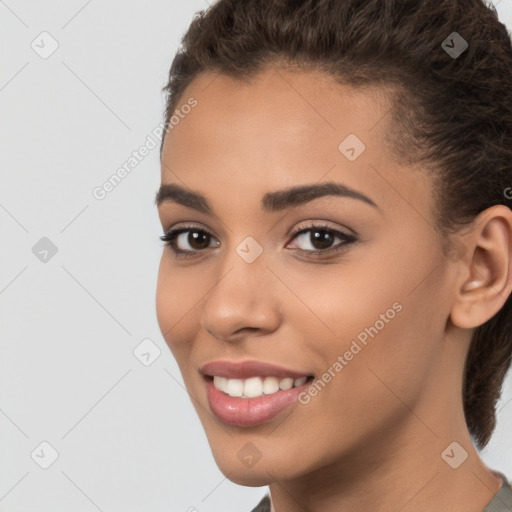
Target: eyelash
column 170, row 236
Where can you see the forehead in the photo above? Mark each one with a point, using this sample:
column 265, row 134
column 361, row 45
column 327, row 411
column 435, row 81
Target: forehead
column 284, row 128
column 296, row 105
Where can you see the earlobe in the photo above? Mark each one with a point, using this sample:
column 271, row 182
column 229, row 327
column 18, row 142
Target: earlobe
column 487, row 274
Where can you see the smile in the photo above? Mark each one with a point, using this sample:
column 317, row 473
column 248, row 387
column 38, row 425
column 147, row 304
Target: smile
column 255, row 386
column 248, row 393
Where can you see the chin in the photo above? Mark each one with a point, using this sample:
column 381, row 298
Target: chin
column 249, row 478
column 252, row 474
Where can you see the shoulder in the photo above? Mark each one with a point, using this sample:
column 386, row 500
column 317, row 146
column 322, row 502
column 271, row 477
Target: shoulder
column 502, row 501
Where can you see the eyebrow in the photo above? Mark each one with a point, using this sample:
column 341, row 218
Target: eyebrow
column 271, row 201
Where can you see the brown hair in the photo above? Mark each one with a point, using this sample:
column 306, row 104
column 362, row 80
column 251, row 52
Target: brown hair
column 452, row 114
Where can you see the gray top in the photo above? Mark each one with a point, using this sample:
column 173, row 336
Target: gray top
column 502, row 501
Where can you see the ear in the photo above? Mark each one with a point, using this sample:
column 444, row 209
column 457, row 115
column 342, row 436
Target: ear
column 485, row 276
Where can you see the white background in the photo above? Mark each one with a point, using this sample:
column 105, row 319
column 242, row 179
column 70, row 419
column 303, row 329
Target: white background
column 127, row 435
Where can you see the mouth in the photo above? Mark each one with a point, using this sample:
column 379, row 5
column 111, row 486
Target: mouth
column 257, row 386
column 249, row 393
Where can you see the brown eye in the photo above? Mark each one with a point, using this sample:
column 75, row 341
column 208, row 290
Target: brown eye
column 197, row 239
column 190, row 241
column 187, row 240
column 320, row 239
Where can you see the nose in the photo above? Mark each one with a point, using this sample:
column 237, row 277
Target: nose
column 243, row 302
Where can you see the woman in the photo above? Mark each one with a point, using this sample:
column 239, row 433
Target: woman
column 336, row 277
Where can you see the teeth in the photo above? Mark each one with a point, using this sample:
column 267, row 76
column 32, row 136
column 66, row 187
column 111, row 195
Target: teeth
column 298, row 382
column 255, row 386
column 235, row 387
column 221, row 383
column 270, row 385
column 286, row 383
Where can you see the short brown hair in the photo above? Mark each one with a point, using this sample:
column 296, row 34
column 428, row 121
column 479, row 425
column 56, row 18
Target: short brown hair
column 451, row 113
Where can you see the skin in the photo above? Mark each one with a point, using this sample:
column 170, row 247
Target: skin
column 372, row 438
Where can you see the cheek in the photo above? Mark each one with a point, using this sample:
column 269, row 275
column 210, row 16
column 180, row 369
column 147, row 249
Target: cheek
column 165, row 299
column 176, row 304
column 337, row 302
column 387, row 334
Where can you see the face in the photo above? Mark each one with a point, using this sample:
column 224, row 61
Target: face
column 346, row 286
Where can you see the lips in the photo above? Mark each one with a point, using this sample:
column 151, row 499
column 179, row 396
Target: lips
column 247, row 369
column 244, row 411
